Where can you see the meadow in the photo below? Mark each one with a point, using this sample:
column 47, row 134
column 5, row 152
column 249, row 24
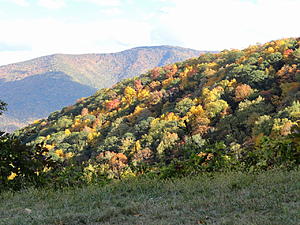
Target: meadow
column 271, row 197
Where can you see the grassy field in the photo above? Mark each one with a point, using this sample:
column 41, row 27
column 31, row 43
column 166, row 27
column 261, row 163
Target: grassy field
column 267, row 198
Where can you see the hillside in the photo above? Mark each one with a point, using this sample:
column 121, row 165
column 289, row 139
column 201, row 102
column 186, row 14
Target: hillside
column 237, row 108
column 39, row 86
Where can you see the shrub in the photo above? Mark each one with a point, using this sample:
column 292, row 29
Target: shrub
column 21, row 164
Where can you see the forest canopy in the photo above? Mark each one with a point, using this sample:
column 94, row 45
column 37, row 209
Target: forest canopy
column 236, row 109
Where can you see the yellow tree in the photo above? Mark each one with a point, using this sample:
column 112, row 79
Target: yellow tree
column 129, row 95
column 143, row 94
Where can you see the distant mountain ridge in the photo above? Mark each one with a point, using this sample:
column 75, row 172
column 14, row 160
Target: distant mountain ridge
column 36, row 87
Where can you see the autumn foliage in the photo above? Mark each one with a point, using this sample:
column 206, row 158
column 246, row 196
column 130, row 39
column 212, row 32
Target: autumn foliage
column 242, row 91
column 212, row 112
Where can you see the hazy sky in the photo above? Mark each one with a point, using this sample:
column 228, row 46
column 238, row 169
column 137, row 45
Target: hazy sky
column 32, row 28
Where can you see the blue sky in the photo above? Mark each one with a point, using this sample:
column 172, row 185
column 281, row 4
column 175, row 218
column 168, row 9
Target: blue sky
column 32, row 28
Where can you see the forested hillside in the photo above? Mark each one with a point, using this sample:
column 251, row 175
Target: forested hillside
column 35, row 88
column 233, row 109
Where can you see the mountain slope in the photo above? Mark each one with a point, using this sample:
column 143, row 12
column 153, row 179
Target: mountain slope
column 233, row 108
column 37, row 87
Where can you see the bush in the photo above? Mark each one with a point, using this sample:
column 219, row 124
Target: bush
column 21, row 164
column 277, row 152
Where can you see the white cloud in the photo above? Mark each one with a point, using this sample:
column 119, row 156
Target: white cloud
column 219, row 24
column 48, row 36
column 198, row 24
column 7, row 57
column 21, row 2
column 111, row 11
column 107, row 3
column 51, row 4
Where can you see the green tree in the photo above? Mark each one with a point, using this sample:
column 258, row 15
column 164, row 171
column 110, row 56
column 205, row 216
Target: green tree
column 183, row 106
column 21, row 164
column 2, row 108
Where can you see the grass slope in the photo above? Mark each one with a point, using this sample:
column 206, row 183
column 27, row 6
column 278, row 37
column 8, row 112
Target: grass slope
column 271, row 197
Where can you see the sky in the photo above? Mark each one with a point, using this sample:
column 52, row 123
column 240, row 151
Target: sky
column 33, row 28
